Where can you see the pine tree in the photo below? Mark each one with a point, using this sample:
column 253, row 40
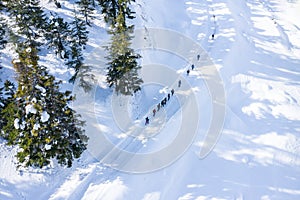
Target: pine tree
column 111, row 9
column 3, row 40
column 6, row 97
column 78, row 41
column 57, row 36
column 29, row 18
column 39, row 119
column 87, row 8
column 123, row 66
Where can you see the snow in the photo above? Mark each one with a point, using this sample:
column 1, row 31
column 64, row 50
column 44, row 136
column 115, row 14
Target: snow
column 43, row 90
column 16, row 123
column 44, row 116
column 30, row 109
column 36, row 126
column 257, row 53
column 48, row 147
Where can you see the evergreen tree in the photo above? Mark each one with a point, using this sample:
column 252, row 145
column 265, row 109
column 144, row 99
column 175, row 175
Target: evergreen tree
column 3, row 28
column 87, row 8
column 123, row 73
column 6, row 97
column 123, row 66
column 111, row 9
column 57, row 36
column 78, row 41
column 39, row 120
column 29, row 18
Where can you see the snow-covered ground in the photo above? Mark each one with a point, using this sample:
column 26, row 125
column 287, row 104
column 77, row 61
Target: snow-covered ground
column 256, row 49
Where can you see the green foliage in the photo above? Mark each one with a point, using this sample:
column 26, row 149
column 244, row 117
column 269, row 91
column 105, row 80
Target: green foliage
column 30, row 20
column 6, row 97
column 87, row 8
column 111, row 9
column 3, row 29
column 38, row 119
column 57, row 35
column 79, row 38
column 122, row 66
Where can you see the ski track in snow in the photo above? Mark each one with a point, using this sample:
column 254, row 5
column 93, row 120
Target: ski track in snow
column 257, row 157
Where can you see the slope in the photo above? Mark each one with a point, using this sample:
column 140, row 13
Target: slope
column 256, row 49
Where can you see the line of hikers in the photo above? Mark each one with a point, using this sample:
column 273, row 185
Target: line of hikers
column 192, row 66
column 167, row 98
column 161, row 104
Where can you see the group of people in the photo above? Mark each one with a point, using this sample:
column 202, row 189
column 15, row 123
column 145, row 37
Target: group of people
column 167, row 98
column 160, row 105
column 192, row 66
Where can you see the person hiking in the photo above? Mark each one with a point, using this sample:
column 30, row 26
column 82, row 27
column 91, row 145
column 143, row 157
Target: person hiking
column 188, row 72
column 163, row 103
column 213, row 36
column 147, row 120
column 172, row 92
column 169, row 96
column 179, row 83
column 158, row 106
column 198, row 56
column 193, row 66
column 154, row 112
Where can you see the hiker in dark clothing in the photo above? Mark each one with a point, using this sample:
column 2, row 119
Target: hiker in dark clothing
column 162, row 103
column 169, row 96
column 147, row 120
column 154, row 112
column 212, row 36
column 188, row 72
column 172, row 92
column 165, row 101
column 179, row 83
column 193, row 66
column 198, row 56
column 158, row 106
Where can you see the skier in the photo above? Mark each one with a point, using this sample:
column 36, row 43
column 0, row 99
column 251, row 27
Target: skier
column 172, row 92
column 147, row 120
column 154, row 112
column 179, row 83
column 193, row 66
column 198, row 56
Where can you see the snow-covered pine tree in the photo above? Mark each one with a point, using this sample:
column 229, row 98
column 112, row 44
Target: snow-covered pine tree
column 123, row 66
column 79, row 38
column 39, row 120
column 86, row 8
column 129, row 83
column 112, row 8
column 126, row 8
column 109, row 10
column 3, row 40
column 57, row 34
column 6, row 97
column 30, row 19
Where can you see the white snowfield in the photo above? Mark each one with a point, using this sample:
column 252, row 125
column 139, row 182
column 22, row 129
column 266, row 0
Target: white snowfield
column 256, row 54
